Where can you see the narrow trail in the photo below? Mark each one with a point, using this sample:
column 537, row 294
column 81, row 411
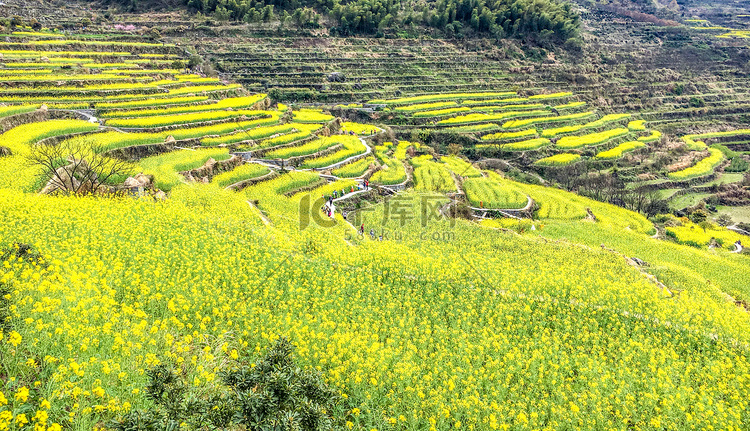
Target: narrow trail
column 274, row 166
column 351, row 194
column 336, row 165
column 395, row 188
column 260, row 214
column 507, row 212
column 329, row 177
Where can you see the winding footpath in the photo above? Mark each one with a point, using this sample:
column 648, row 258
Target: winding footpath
column 507, row 212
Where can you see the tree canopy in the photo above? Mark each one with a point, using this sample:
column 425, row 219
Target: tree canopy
column 543, row 19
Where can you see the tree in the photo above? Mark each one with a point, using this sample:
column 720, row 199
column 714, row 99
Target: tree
column 194, row 60
column 699, row 216
column 16, row 21
column 724, row 220
column 154, row 33
column 75, row 167
column 454, row 149
column 267, row 13
column 35, row 25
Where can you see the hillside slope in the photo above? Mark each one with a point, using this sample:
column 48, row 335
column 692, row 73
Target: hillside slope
column 209, row 242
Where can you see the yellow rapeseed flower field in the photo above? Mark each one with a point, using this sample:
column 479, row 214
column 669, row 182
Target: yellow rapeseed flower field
column 423, row 322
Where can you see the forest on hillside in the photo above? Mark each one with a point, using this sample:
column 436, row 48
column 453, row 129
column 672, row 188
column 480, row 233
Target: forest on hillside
column 541, row 20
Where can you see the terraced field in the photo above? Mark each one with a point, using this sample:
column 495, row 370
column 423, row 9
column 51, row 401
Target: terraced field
column 229, row 232
column 672, row 76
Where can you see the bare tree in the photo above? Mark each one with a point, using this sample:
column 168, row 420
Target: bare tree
column 75, row 167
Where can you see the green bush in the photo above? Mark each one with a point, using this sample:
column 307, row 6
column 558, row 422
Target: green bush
column 272, row 394
column 697, row 102
column 738, row 164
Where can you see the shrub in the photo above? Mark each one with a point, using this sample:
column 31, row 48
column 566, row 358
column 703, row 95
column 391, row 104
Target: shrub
column 738, row 164
column 699, row 216
column 724, row 220
column 271, row 394
column 697, row 102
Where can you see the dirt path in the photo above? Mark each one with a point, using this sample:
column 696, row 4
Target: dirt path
column 260, row 213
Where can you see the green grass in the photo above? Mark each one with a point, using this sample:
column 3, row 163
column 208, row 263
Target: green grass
column 687, row 200
column 166, row 167
column 562, row 159
column 514, row 124
column 311, row 147
column 461, row 167
column 391, row 173
column 435, row 177
column 738, row 214
column 569, row 142
column 243, row 172
column 178, row 119
column 618, row 151
column 283, row 184
column 525, row 145
column 509, row 135
column 610, row 118
column 499, row 116
column 488, row 193
column 246, row 102
column 355, row 169
column 6, row 111
column 726, row 178
column 443, row 97
column 351, row 147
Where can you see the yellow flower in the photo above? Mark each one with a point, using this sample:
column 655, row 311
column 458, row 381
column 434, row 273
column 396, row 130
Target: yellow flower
column 41, row 416
column 45, row 405
column 574, row 408
column 99, row 392
column 6, row 417
column 3, row 400
column 14, row 338
column 54, row 427
column 21, row 420
column 22, row 394
column 521, row 418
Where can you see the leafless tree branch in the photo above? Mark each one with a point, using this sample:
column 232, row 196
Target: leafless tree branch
column 74, row 166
